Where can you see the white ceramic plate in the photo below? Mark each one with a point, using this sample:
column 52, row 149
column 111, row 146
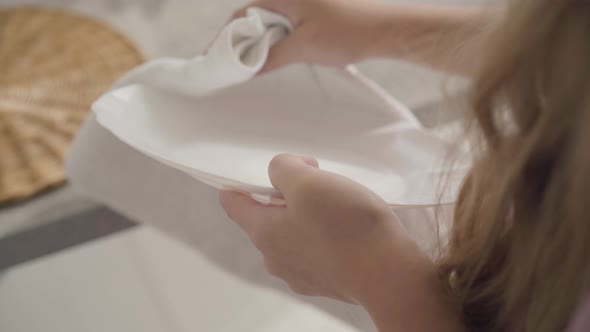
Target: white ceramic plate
column 227, row 139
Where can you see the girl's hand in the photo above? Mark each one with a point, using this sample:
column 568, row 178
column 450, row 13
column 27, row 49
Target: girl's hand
column 341, row 32
column 334, row 238
column 326, row 32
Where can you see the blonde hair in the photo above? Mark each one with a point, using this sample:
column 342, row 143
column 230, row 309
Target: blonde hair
column 518, row 256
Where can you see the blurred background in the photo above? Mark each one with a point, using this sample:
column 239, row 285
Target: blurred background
column 68, row 264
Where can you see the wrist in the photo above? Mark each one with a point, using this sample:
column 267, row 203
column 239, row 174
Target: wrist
column 395, row 269
column 380, row 30
column 391, row 25
column 406, row 294
column 410, row 32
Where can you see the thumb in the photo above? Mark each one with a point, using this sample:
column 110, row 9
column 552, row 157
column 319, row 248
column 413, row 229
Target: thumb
column 287, row 51
column 285, row 170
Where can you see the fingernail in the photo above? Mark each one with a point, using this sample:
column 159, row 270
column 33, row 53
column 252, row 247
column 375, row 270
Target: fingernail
column 311, row 161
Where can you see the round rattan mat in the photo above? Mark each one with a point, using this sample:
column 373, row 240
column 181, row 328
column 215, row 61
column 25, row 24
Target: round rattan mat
column 53, row 64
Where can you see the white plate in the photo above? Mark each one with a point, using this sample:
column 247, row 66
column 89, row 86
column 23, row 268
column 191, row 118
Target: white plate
column 227, row 139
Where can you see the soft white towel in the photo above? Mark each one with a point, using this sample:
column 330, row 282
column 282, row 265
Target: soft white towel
column 236, row 55
column 194, row 115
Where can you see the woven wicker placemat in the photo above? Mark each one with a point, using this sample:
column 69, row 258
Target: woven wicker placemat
column 53, row 64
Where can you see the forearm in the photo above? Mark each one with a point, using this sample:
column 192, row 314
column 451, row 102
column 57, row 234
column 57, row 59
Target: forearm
column 443, row 38
column 410, row 297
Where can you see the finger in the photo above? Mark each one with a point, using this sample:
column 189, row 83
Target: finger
column 285, row 170
column 239, row 13
column 287, row 51
column 311, row 161
column 239, row 208
column 250, row 215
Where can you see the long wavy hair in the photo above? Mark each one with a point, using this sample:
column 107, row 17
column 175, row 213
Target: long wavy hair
column 518, row 257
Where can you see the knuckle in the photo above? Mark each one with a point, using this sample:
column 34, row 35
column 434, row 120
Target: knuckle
column 306, row 184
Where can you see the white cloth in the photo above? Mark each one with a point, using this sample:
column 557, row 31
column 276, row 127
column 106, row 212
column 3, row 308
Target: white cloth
column 194, row 115
column 150, row 192
column 236, row 55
